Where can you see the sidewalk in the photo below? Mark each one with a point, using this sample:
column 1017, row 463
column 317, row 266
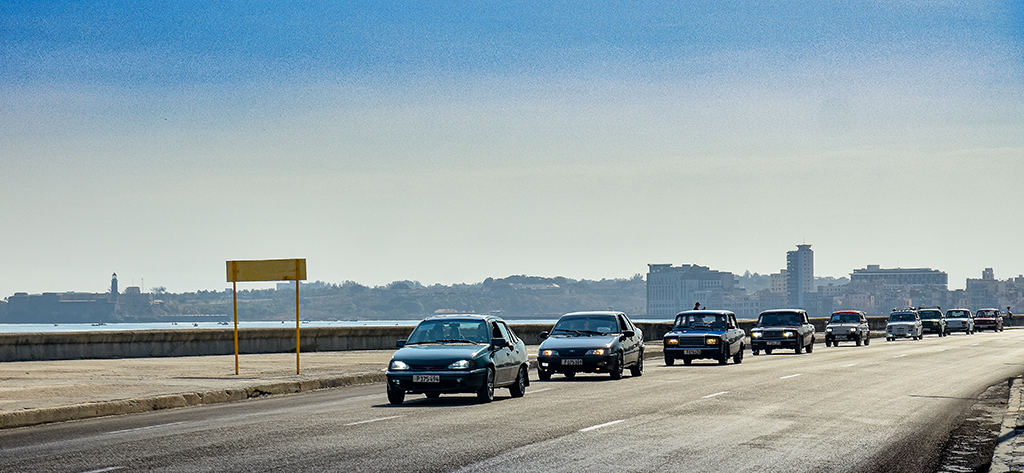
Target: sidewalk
column 1009, row 454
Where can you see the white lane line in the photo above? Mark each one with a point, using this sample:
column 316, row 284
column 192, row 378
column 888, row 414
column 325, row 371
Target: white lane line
column 792, row 376
column 715, row 394
column 142, row 428
column 606, row 424
column 900, row 356
column 372, row 420
column 976, row 344
column 849, row 365
column 101, row 470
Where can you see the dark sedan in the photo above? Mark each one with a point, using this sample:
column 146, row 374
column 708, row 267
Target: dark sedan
column 593, row 342
column 782, row 328
column 459, row 354
column 710, row 334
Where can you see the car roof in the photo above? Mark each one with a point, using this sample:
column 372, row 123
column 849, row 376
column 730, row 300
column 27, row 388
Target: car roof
column 783, row 311
column 706, row 311
column 593, row 312
column 463, row 316
column 848, row 312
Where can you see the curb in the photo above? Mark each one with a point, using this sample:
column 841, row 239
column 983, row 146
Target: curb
column 1009, row 452
column 29, row 417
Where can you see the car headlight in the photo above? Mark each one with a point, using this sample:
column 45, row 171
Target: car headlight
column 671, row 341
column 548, row 353
column 788, row 334
column 397, row 365
column 828, row 329
column 711, row 341
column 597, row 351
column 459, row 365
column 853, row 330
column 756, row 334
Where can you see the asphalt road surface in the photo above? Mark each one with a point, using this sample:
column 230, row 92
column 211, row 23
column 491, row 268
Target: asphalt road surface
column 886, row 407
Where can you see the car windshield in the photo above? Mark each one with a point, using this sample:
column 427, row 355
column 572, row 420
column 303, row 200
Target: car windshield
column 585, row 326
column 959, row 314
column 930, row 314
column 779, row 318
column 701, row 321
column 986, row 313
column 450, row 331
column 902, row 317
column 845, row 319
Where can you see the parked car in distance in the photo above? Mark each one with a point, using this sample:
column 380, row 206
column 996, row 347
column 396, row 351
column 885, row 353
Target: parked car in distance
column 988, row 319
column 847, row 325
column 933, row 320
column 960, row 320
column 707, row 334
column 903, row 323
column 459, row 354
column 782, row 328
column 593, row 342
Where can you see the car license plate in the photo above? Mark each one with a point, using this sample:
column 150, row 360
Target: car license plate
column 774, row 342
column 572, row 361
column 691, row 352
column 426, row 378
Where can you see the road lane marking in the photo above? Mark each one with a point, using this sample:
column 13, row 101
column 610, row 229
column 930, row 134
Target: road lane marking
column 101, row 470
column 715, row 394
column 976, row 344
column 849, row 365
column 372, row 420
column 535, row 391
column 792, row 376
column 606, row 424
column 142, row 428
column 900, row 356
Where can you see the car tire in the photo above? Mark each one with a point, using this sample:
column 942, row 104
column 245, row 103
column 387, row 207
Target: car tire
column 799, row 349
column 810, row 346
column 616, row 371
column 669, row 361
column 518, row 388
column 395, row 396
column 543, row 375
column 857, row 341
column 638, row 368
column 723, row 358
column 767, row 351
column 867, row 340
column 687, row 361
column 432, row 395
column 755, row 352
column 738, row 357
column 486, row 391
column 828, row 342
column 570, row 374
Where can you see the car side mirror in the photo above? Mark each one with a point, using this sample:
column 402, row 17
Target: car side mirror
column 499, row 342
column 400, row 343
column 627, row 334
column 544, row 335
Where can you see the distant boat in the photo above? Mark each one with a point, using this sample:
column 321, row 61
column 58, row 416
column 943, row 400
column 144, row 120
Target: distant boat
column 97, row 324
column 195, row 324
column 222, row 323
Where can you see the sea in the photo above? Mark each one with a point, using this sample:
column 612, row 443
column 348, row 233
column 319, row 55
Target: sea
column 36, row 328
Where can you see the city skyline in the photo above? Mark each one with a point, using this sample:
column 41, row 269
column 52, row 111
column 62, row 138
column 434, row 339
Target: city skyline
column 448, row 143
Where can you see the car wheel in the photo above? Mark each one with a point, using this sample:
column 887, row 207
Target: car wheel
column 543, row 375
column 767, row 351
column 828, row 342
column 518, row 388
column 638, row 368
column 433, row 395
column 395, row 396
column 799, row 349
column 570, row 374
column 755, row 352
column 723, row 358
column 669, row 361
column 687, row 361
column 810, row 346
column 867, row 340
column 486, row 392
column 738, row 357
column 616, row 372
column 857, row 341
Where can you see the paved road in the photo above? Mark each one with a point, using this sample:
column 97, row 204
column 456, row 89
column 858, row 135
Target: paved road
column 886, row 407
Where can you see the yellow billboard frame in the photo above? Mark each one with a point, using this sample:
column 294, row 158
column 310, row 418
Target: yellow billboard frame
column 267, row 270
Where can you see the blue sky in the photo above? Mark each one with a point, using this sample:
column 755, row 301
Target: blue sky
column 449, row 143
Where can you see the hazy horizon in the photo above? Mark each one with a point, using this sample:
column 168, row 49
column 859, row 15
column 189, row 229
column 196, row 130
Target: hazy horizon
column 451, row 143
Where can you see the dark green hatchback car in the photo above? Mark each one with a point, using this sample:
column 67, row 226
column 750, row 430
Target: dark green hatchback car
column 459, row 354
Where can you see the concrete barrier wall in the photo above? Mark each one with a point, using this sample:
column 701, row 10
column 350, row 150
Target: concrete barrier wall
column 200, row 342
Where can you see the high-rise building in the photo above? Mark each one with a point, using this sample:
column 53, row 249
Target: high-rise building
column 673, row 289
column 799, row 276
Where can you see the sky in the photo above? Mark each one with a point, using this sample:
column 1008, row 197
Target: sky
column 448, row 142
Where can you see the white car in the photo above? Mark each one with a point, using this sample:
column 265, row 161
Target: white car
column 904, row 323
column 960, row 320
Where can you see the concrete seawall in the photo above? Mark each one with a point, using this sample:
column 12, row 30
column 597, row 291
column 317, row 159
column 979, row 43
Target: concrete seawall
column 204, row 342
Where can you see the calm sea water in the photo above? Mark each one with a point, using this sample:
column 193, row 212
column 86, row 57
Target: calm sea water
column 35, row 328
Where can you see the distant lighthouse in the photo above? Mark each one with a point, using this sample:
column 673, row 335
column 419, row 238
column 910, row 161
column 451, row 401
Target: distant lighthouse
column 113, row 288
